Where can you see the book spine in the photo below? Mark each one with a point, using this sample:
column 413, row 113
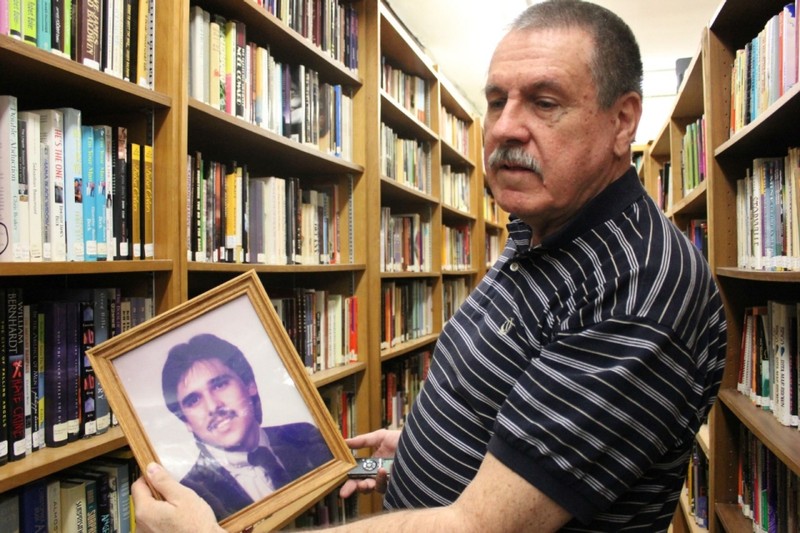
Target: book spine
column 102, row 332
column 136, row 200
column 100, row 191
column 89, row 35
column 35, row 396
column 88, row 195
column 29, row 21
column 73, row 362
column 52, row 136
column 44, row 24
column 4, row 410
column 73, row 184
column 88, row 402
column 9, row 163
column 121, row 194
column 4, row 17
column 56, row 373
column 15, row 354
column 28, row 165
column 15, row 18
column 148, row 247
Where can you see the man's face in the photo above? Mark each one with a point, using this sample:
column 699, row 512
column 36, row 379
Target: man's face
column 218, row 405
column 542, row 100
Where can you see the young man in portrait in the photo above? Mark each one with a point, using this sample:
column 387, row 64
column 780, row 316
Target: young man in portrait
column 209, row 385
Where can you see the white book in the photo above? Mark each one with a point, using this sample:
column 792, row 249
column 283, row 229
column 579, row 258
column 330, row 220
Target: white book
column 9, row 171
column 52, row 135
column 29, row 161
column 73, row 181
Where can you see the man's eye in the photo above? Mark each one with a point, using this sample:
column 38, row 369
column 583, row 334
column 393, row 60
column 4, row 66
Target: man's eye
column 190, row 400
column 221, row 382
column 545, row 104
column 496, row 103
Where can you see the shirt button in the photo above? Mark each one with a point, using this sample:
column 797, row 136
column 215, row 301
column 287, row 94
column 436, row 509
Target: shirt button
column 514, row 267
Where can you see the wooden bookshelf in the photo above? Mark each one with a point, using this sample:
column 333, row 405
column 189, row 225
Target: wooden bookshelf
column 183, row 125
column 707, row 90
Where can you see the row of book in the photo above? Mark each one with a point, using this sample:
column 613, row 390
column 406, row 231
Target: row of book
column 408, row 90
column 322, row 326
column 696, row 487
column 456, row 189
column 768, row 490
column 234, row 217
column 493, row 246
column 113, row 36
column 340, row 400
column 454, row 293
column 71, row 191
column 697, row 232
column 407, row 311
column 769, row 363
column 405, row 242
column 455, row 132
column 92, row 496
column 456, row 248
column 768, row 222
column 406, row 161
column 693, row 155
column 244, row 79
column 49, row 395
column 765, row 68
column 401, row 381
column 491, row 211
column 332, row 25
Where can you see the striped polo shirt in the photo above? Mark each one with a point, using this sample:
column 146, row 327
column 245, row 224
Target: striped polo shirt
column 585, row 364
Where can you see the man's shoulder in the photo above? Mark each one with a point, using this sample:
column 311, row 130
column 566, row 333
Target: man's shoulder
column 292, row 431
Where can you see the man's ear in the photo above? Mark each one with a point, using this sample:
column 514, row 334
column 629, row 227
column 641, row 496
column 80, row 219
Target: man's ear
column 628, row 113
column 252, row 389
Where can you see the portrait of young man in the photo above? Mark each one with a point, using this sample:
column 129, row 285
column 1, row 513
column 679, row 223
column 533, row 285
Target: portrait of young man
column 209, row 385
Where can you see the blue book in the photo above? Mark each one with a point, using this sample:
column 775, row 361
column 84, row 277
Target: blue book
column 119, row 490
column 43, row 24
column 33, row 507
column 89, row 193
column 101, row 191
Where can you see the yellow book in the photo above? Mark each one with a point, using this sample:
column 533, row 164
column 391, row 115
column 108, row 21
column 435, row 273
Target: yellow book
column 148, row 247
column 136, row 200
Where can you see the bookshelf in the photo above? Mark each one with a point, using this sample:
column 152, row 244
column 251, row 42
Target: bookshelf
column 735, row 423
column 183, row 126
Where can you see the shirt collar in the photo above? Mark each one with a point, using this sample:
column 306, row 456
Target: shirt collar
column 611, row 201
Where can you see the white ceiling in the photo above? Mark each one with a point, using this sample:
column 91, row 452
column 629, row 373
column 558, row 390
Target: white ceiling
column 460, row 35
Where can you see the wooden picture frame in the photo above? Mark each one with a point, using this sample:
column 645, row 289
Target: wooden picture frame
column 141, row 368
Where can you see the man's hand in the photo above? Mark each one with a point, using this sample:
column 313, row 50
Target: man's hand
column 384, row 444
column 181, row 511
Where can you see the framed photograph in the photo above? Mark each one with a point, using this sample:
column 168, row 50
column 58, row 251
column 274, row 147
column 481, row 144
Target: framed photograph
column 215, row 391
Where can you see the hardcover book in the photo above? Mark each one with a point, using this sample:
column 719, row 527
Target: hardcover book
column 52, row 137
column 56, row 422
column 15, row 353
column 4, row 382
column 89, row 192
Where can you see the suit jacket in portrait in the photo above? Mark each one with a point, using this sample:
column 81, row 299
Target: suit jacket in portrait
column 299, row 447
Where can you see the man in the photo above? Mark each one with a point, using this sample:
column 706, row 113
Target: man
column 566, row 392
column 209, row 385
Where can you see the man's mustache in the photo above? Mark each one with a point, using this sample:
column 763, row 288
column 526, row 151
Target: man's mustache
column 221, row 415
column 513, row 156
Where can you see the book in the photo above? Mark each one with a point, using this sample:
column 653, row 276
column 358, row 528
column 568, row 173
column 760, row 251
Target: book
column 73, row 363
column 54, row 516
column 73, row 183
column 74, row 515
column 136, row 201
column 121, row 194
column 28, row 157
column 15, row 19
column 29, row 21
column 9, row 171
column 15, row 357
column 55, row 360
column 147, row 189
column 101, row 300
column 34, row 358
column 100, row 191
column 89, row 191
column 87, row 391
column 9, row 511
column 33, row 507
column 37, row 160
column 88, row 26
column 55, row 232
column 44, row 24
column 4, row 384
